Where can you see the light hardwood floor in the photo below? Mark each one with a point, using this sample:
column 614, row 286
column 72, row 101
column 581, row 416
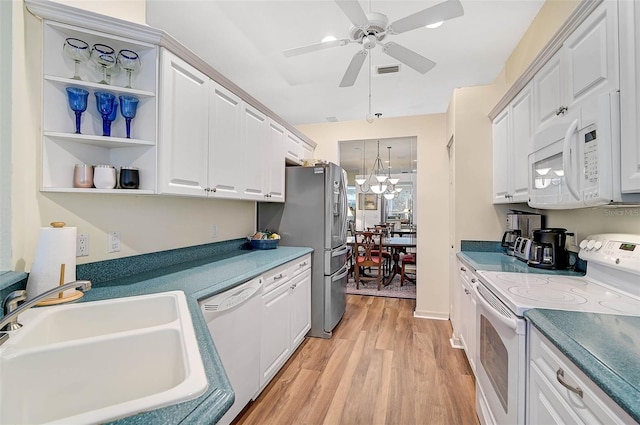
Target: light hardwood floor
column 382, row 366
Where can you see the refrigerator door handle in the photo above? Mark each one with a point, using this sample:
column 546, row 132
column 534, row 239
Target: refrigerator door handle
column 343, row 251
column 341, row 275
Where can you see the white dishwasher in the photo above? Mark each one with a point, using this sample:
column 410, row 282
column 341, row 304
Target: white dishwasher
column 233, row 319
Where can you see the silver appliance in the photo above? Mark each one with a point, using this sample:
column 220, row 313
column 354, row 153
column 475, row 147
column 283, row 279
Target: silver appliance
column 522, row 248
column 611, row 286
column 315, row 215
column 520, row 224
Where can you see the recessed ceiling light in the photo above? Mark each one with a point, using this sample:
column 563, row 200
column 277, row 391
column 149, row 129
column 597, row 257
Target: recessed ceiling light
column 332, row 38
column 432, row 26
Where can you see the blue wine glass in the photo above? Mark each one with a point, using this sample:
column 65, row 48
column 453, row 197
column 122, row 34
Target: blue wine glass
column 77, row 102
column 128, row 108
column 104, row 103
column 114, row 112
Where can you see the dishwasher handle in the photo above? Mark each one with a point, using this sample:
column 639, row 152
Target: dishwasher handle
column 233, row 297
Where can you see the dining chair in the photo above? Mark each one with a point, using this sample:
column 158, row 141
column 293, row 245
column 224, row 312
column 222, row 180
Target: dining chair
column 368, row 254
column 408, row 265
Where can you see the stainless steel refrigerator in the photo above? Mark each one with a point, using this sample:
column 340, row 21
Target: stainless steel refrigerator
column 315, row 215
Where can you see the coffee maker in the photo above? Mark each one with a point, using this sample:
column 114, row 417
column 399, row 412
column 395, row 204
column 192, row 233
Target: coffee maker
column 547, row 249
column 520, row 224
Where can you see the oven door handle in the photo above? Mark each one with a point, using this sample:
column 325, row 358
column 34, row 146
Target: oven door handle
column 511, row 323
column 566, row 159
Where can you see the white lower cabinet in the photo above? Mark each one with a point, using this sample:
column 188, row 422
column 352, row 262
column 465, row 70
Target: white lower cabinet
column 560, row 393
column 286, row 315
column 467, row 309
column 468, row 316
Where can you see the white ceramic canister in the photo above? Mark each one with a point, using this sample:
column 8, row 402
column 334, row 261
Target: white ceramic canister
column 104, row 177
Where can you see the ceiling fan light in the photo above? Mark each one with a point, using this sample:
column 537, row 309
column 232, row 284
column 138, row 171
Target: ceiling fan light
column 398, row 189
column 381, row 178
column 360, row 181
column 389, row 196
column 434, row 25
column 394, row 181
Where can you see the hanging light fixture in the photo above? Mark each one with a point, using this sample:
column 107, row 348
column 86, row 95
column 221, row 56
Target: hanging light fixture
column 390, row 193
column 377, row 177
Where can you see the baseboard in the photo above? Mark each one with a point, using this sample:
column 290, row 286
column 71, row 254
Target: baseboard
column 434, row 315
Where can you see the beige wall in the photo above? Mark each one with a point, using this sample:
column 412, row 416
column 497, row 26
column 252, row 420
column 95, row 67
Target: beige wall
column 433, row 217
column 146, row 223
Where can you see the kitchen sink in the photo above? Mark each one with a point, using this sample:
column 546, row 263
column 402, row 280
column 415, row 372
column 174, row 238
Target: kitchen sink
column 99, row 361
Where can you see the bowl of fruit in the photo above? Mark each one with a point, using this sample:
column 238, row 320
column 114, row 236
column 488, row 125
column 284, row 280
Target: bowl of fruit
column 264, row 240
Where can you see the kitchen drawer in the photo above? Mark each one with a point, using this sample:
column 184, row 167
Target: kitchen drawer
column 276, row 276
column 594, row 406
column 300, row 265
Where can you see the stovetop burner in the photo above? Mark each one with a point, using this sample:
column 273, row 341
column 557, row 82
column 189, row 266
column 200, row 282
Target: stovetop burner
column 547, row 294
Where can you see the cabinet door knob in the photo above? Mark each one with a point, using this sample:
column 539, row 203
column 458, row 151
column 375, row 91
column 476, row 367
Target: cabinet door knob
column 463, row 269
column 206, row 189
column 562, row 110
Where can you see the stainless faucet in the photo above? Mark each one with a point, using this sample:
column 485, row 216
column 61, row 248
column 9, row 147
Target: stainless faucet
column 11, row 309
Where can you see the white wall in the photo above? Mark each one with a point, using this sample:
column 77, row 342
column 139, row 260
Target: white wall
column 146, row 223
column 432, row 197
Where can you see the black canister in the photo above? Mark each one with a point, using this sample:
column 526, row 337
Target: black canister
column 129, row 178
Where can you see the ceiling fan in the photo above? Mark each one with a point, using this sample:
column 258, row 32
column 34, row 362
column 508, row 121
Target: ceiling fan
column 369, row 29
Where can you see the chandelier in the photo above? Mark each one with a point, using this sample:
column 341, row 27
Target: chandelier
column 376, row 182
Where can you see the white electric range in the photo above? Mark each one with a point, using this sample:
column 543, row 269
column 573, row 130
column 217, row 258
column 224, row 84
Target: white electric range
column 611, row 286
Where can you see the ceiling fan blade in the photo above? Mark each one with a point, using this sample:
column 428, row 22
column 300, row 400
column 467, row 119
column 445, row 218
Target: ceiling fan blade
column 354, row 12
column 354, row 68
column 408, row 57
column 440, row 12
column 314, row 47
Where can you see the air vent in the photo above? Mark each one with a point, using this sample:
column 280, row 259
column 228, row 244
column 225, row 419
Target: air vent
column 387, row 69
column 332, row 119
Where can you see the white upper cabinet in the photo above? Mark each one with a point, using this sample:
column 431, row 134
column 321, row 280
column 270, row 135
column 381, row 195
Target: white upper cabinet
column 548, row 92
column 294, row 150
column 521, row 144
column 184, row 127
column 585, row 65
column 501, row 158
column 255, row 138
column 225, row 143
column 630, row 96
column 512, row 143
column 591, row 55
column 275, row 169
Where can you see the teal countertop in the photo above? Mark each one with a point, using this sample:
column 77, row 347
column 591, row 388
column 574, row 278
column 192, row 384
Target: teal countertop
column 605, row 347
column 200, row 272
column 499, row 262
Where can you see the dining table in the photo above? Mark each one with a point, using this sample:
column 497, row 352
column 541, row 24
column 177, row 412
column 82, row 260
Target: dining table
column 403, row 232
column 397, row 244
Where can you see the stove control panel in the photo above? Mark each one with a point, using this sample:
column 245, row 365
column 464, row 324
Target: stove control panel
column 617, row 250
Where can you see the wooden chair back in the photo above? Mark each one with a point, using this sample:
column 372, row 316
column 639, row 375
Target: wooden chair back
column 368, row 255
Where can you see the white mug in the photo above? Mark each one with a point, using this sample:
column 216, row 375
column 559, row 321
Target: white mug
column 104, row 177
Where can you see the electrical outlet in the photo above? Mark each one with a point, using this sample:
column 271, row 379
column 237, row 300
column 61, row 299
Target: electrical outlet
column 113, row 242
column 214, row 231
column 82, row 245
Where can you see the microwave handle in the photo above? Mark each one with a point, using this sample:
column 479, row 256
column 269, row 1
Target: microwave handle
column 566, row 159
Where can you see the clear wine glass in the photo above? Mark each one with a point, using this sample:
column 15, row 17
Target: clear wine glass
column 104, row 103
column 77, row 102
column 78, row 51
column 104, row 57
column 129, row 61
column 128, row 109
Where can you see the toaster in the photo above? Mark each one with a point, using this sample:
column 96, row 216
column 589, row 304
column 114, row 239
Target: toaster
column 522, row 248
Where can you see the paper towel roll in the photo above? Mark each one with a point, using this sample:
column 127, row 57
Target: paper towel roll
column 56, row 246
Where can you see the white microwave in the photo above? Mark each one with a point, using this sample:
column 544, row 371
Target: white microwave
column 576, row 161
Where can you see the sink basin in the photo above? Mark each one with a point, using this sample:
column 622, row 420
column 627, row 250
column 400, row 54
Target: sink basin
column 99, row 361
column 45, row 326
